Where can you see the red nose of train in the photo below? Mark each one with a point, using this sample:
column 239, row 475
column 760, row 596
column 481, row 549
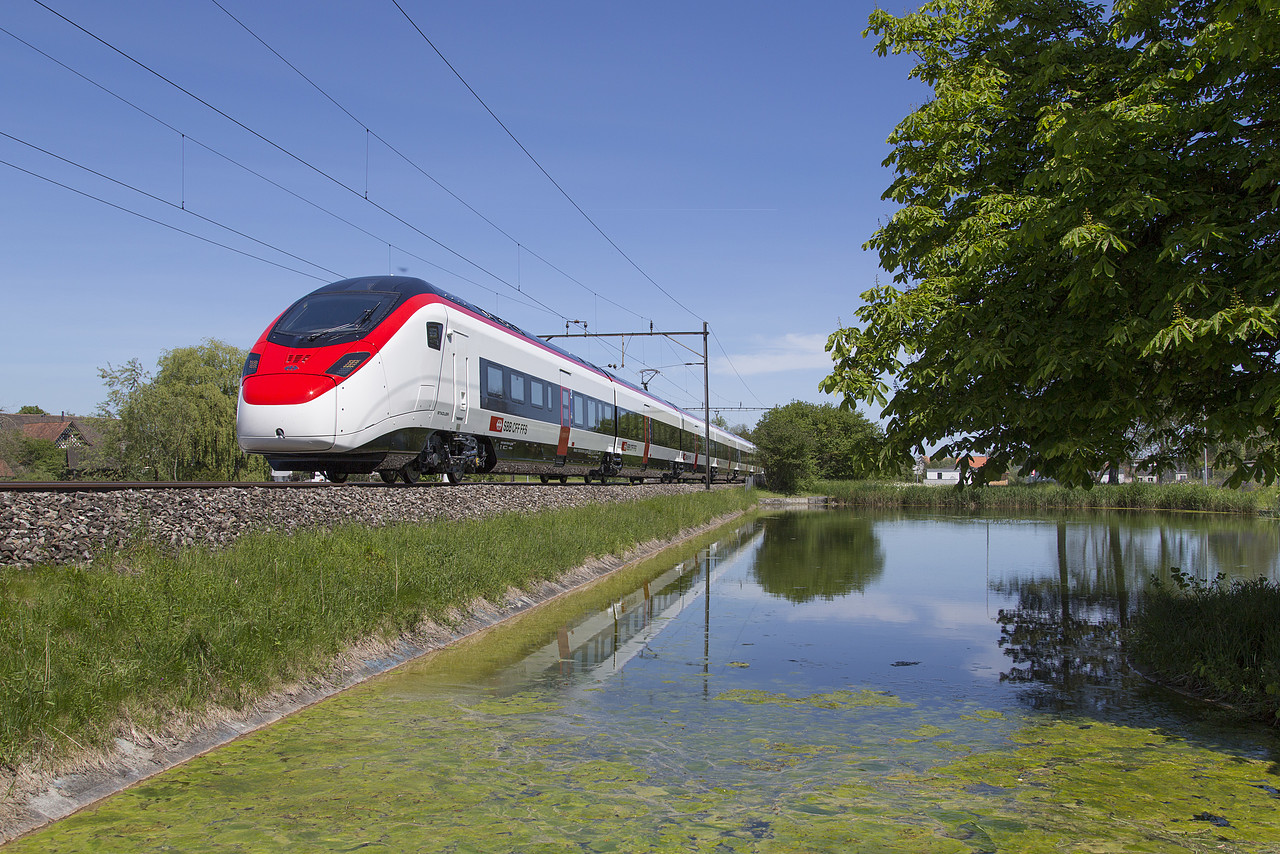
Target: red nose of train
column 287, row 404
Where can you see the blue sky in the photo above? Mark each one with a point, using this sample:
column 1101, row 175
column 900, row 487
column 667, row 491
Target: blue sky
column 730, row 151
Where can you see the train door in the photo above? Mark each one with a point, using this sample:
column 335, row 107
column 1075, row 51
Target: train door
column 431, row 364
column 461, row 377
column 685, row 449
column 648, row 439
column 566, row 398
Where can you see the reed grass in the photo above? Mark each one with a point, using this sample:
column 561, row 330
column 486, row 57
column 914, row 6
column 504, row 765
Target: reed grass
column 1217, row 639
column 1048, row 496
column 83, row 649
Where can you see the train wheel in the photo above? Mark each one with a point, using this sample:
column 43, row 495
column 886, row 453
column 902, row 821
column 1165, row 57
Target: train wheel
column 564, row 478
column 336, row 476
column 454, row 477
column 543, row 478
column 387, row 475
column 409, row 474
column 586, row 478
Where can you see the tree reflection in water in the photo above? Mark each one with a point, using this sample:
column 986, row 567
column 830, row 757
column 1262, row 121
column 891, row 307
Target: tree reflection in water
column 818, row 555
column 1064, row 635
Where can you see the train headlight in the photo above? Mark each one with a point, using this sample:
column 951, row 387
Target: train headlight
column 250, row 365
column 347, row 364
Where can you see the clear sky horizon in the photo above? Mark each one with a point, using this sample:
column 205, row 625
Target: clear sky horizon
column 729, row 152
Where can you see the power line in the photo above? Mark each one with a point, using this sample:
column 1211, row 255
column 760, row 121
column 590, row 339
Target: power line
column 562, row 190
column 159, row 222
column 187, row 137
column 541, row 169
column 375, row 135
column 735, row 369
column 283, row 150
column 156, row 198
column 336, row 181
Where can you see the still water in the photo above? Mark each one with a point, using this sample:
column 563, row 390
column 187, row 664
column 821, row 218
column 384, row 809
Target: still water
column 820, row 681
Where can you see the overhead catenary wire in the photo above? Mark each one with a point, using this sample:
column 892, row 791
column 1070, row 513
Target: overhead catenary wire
column 160, row 222
column 369, row 132
column 302, row 160
column 297, row 158
column 525, row 297
column 562, row 190
column 162, row 201
column 540, row 167
column 186, row 137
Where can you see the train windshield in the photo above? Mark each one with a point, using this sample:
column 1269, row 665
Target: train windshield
column 322, row 319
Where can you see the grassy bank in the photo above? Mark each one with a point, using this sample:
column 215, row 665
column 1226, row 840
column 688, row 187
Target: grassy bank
column 1046, row 496
column 83, row 649
column 1217, row 640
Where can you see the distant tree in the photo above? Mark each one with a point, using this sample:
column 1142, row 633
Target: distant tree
column 31, row 409
column 1084, row 257
column 801, row 440
column 785, row 449
column 179, row 424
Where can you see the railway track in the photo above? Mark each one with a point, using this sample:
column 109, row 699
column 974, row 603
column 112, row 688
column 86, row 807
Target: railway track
column 112, row 486
column 46, row 523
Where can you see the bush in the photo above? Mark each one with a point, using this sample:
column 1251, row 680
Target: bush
column 1218, row 640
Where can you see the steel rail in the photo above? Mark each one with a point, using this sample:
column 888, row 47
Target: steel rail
column 110, row 486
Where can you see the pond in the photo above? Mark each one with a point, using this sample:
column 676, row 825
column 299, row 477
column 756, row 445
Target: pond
column 815, row 681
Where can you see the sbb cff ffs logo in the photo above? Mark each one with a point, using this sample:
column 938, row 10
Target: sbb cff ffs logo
column 498, row 424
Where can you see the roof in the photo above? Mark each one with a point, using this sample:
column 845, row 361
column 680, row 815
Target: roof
column 947, row 463
column 59, row 429
column 54, row 431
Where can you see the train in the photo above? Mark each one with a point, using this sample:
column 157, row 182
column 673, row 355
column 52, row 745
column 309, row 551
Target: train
column 391, row 374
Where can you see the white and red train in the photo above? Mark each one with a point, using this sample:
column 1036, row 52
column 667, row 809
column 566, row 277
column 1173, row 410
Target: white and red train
column 394, row 375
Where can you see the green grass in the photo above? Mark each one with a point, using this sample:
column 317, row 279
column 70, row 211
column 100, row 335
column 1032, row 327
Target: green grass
column 1218, row 640
column 83, row 649
column 1046, row 496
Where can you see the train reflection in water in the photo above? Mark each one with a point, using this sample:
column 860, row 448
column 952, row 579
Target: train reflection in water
column 597, row 647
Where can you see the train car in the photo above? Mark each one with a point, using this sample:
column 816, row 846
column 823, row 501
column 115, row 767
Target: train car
column 393, row 375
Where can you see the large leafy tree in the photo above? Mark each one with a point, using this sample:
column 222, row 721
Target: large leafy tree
column 180, row 423
column 1085, row 258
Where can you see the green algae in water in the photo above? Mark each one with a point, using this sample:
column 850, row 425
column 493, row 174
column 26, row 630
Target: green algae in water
column 486, row 777
column 866, row 698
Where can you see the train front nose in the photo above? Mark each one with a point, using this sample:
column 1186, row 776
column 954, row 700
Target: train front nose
column 287, row 413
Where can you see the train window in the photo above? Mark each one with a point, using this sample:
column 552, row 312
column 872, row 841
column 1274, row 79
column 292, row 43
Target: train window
column 321, row 320
column 493, row 378
column 517, row 388
column 435, row 331
column 579, row 410
column 535, row 394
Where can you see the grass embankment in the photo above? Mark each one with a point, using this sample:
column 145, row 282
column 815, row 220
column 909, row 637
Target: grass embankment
column 83, row 649
column 1048, row 496
column 1219, row 640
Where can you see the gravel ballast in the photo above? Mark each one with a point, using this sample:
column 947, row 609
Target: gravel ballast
column 76, row 527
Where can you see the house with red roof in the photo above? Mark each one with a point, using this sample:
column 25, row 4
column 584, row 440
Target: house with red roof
column 81, row 438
